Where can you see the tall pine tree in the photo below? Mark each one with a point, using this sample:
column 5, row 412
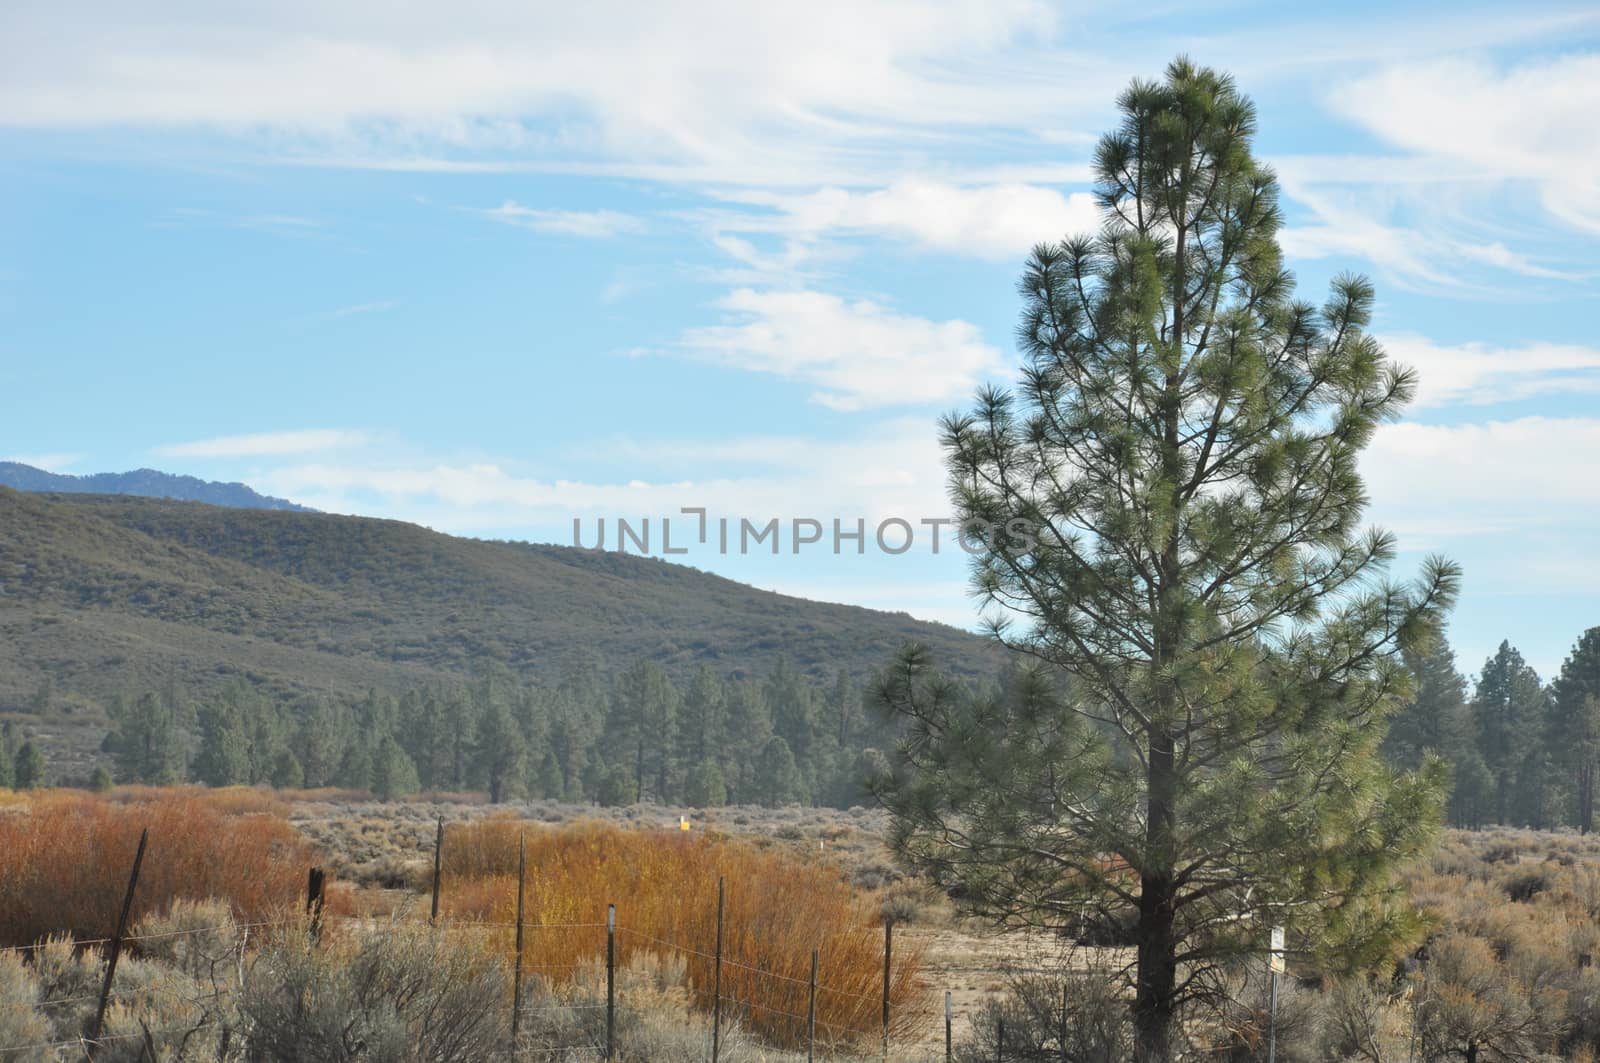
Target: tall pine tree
column 1574, row 728
column 1509, row 705
column 1183, row 453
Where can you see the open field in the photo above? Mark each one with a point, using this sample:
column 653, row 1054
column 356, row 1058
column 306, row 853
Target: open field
column 1505, row 968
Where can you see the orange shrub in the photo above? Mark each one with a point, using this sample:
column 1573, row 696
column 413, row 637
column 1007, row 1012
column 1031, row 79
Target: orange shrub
column 664, row 884
column 64, row 862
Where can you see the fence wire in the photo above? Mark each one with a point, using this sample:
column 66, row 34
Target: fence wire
column 734, row 1007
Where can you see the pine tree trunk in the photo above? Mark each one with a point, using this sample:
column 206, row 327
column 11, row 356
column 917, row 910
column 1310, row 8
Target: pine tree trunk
column 1154, row 1007
column 1586, row 795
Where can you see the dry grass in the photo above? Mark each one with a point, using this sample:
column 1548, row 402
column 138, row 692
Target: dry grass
column 65, row 858
column 664, row 884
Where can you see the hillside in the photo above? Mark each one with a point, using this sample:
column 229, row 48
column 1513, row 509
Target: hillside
column 103, row 594
column 147, row 483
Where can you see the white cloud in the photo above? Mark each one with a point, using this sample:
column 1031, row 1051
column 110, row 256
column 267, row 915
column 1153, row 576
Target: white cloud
column 893, row 469
column 716, row 87
column 1534, row 122
column 1430, row 251
column 857, row 354
column 1478, row 374
column 267, row 444
column 57, row 462
column 1446, row 481
column 998, row 221
column 595, row 224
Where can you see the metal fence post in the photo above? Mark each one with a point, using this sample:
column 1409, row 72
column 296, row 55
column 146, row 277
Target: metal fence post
column 716, row 978
column 516, row 981
column 116, row 939
column 811, row 1012
column 438, row 848
column 947, row 1044
column 888, row 952
column 611, row 980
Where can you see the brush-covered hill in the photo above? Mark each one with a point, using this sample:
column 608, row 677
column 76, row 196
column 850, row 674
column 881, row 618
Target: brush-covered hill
column 148, row 483
column 110, row 594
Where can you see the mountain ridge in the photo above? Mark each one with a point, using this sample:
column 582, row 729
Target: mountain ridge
column 143, row 483
column 105, row 594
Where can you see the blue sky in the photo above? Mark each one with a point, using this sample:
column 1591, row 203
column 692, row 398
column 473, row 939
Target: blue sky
column 496, row 266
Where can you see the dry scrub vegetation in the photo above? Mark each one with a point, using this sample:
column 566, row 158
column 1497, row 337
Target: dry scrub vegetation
column 222, row 964
column 1507, row 970
column 777, row 911
column 64, row 859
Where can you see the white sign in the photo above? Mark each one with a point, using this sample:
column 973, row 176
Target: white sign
column 1275, row 960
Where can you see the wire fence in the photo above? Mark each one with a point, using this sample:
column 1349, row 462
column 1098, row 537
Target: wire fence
column 781, row 1005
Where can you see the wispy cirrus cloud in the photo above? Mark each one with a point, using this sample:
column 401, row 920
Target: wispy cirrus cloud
column 1531, row 121
column 1480, row 374
column 858, row 354
column 1409, row 230
column 53, row 462
column 377, row 306
column 267, row 444
column 593, row 224
column 995, row 221
column 1493, row 173
column 891, row 467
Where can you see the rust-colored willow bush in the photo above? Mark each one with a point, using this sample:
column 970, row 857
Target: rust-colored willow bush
column 664, row 884
column 65, row 858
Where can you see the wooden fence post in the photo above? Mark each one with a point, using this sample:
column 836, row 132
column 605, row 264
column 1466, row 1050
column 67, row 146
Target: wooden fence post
column 315, row 880
column 516, row 982
column 947, row 1042
column 811, row 1012
column 716, row 978
column 438, row 848
column 611, row 980
column 116, row 939
column 888, row 952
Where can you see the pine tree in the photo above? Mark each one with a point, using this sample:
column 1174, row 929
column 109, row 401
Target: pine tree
column 323, row 732
column 1472, row 795
column 547, row 780
column 1182, row 454
column 701, row 720
column 224, row 755
column 844, row 712
column 643, row 723
column 458, row 720
column 1437, row 718
column 7, row 757
column 393, row 774
column 145, row 741
column 780, row 780
column 705, row 787
column 28, row 771
column 794, row 709
column 287, row 774
column 1509, row 705
column 618, row 787
column 501, row 752
column 749, row 727
column 268, row 734
column 1574, row 727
